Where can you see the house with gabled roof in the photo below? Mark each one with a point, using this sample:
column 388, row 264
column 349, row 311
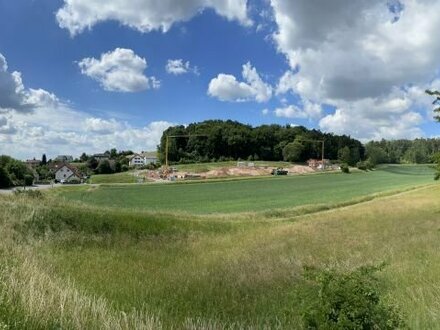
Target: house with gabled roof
column 150, row 157
column 143, row 158
column 68, row 173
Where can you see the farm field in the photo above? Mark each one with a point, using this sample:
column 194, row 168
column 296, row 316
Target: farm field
column 73, row 265
column 123, row 177
column 253, row 195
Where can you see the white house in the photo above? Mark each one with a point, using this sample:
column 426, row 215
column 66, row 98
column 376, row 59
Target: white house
column 136, row 160
column 67, row 173
column 150, row 157
column 142, row 159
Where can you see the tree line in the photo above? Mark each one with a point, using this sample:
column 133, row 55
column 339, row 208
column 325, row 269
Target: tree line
column 418, row 151
column 217, row 140
column 115, row 162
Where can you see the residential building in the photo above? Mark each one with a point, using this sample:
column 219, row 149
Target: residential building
column 150, row 157
column 33, row 163
column 142, row 159
column 318, row 163
column 67, row 173
column 101, row 156
column 136, row 160
column 64, row 158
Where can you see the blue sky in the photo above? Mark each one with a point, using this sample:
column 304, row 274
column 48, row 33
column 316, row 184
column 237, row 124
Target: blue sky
column 95, row 76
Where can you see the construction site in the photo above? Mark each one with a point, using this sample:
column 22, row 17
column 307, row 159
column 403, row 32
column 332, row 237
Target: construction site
column 240, row 169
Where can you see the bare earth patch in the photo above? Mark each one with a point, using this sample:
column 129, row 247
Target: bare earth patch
column 253, row 171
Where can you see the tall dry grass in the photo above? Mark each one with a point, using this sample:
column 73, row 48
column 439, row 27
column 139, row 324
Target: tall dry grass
column 33, row 296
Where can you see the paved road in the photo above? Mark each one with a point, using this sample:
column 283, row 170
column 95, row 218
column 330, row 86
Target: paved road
column 36, row 187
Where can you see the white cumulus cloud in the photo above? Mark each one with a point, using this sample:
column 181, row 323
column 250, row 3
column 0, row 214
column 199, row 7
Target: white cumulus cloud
column 226, row 87
column 389, row 117
column 15, row 96
column 179, row 66
column 69, row 131
column 101, row 126
column 309, row 110
column 356, row 54
column 34, row 121
column 120, row 70
column 144, row 15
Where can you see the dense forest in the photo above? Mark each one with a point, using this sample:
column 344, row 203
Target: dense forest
column 418, row 151
column 218, row 140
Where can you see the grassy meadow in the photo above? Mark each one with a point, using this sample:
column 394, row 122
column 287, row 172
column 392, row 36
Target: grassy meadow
column 123, row 177
column 86, row 265
column 253, row 195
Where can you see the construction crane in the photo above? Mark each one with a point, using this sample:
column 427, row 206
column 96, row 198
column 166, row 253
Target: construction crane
column 322, row 147
column 167, row 145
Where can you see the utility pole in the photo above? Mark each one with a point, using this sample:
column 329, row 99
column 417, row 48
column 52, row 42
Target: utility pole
column 322, row 148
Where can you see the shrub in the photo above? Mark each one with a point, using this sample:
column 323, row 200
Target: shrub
column 348, row 301
column 75, row 181
column 104, row 167
column 362, row 166
column 436, row 160
column 370, row 165
column 28, row 180
column 124, row 168
column 5, row 180
column 345, row 168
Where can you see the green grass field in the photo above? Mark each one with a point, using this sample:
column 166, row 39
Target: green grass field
column 123, row 177
column 261, row 194
column 76, row 265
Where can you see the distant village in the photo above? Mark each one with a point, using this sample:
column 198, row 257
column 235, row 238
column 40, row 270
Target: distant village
column 66, row 169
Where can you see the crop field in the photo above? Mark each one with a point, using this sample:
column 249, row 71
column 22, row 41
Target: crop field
column 87, row 264
column 253, row 195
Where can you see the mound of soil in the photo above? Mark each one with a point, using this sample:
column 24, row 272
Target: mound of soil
column 254, row 171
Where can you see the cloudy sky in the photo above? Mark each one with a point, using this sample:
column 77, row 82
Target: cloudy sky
column 89, row 75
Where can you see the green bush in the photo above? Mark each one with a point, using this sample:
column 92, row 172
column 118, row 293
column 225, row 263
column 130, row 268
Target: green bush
column 150, row 166
column 5, row 180
column 28, row 180
column 348, row 301
column 436, row 160
column 345, row 168
column 362, row 166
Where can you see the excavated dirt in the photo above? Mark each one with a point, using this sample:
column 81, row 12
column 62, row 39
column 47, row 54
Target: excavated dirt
column 253, row 171
column 225, row 172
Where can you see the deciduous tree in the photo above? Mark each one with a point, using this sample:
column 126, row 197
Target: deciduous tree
column 436, row 103
column 293, row 152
